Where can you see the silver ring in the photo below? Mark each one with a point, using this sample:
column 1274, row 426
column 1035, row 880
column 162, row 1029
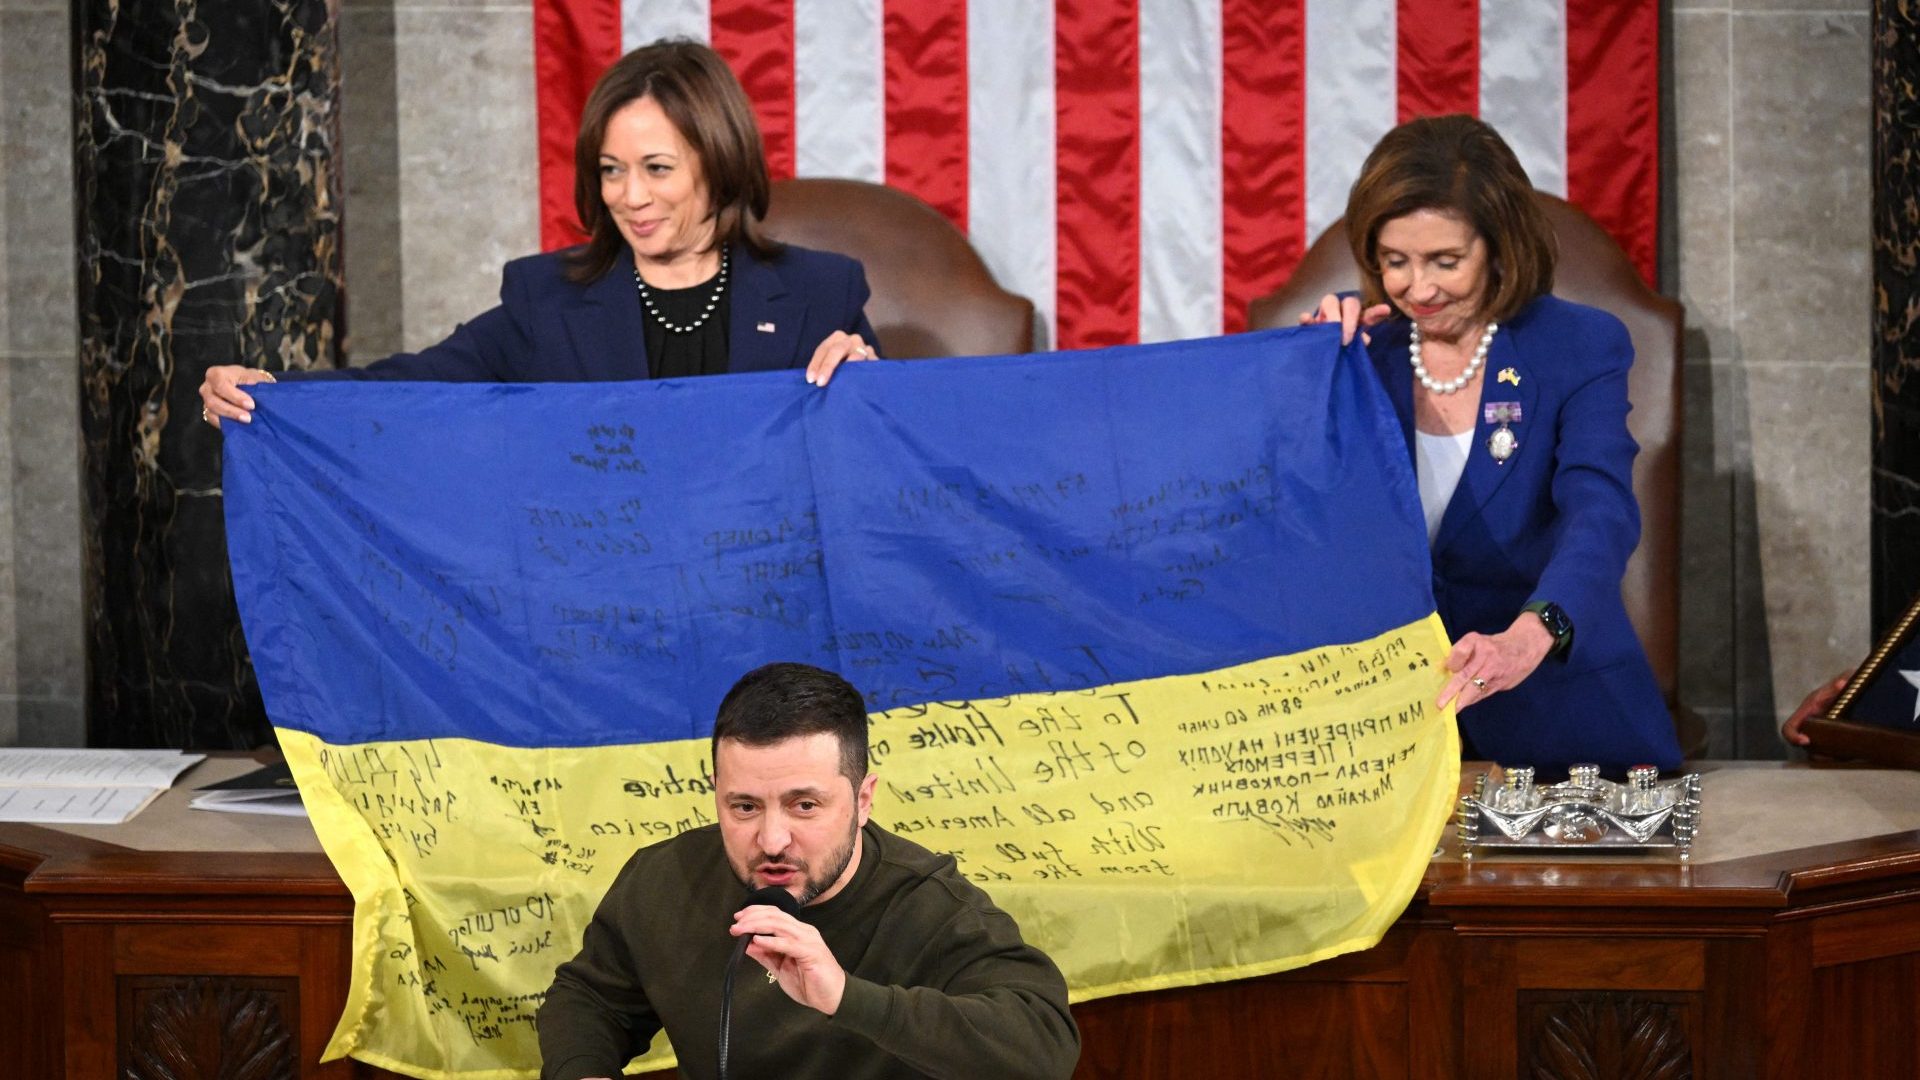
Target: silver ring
column 1479, row 683
column 204, row 418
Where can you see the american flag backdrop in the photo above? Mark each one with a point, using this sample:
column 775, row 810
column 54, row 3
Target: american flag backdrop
column 1141, row 169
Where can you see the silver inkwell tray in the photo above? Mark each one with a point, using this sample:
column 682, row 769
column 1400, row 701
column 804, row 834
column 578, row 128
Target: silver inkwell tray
column 1582, row 813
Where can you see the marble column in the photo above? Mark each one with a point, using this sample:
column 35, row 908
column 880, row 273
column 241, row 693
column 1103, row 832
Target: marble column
column 208, row 206
column 1896, row 310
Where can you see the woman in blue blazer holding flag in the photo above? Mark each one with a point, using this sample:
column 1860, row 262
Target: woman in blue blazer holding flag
column 676, row 278
column 1514, row 407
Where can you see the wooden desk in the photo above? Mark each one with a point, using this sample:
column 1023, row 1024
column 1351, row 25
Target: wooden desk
column 1790, row 948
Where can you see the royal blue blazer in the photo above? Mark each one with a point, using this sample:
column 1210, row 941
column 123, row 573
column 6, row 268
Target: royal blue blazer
column 1555, row 522
column 550, row 329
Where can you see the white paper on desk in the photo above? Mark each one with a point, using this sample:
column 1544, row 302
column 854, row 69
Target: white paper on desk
column 51, row 805
column 21, row 766
column 282, row 803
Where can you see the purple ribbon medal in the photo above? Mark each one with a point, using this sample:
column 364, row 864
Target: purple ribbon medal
column 1502, row 442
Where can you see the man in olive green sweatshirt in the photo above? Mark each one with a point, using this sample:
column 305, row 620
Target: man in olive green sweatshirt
column 896, row 965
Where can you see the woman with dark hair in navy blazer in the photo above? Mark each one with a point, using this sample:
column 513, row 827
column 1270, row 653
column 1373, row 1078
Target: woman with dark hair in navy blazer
column 675, row 279
column 1514, row 407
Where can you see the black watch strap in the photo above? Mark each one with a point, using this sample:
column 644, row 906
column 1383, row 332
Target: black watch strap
column 1557, row 623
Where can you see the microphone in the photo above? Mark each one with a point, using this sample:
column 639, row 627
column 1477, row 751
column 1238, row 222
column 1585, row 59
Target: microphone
column 771, row 896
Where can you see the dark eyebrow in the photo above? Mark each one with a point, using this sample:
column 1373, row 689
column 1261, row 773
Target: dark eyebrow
column 814, row 793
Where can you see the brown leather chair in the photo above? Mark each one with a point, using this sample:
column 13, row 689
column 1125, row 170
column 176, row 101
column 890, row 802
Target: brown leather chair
column 932, row 296
column 1592, row 270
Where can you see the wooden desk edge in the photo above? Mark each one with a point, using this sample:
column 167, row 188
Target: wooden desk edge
column 48, row 861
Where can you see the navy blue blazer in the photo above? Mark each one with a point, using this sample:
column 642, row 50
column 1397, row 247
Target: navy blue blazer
column 1555, row 522
column 550, row 329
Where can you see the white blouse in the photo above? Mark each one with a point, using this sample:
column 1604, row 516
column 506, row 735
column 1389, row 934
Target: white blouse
column 1438, row 462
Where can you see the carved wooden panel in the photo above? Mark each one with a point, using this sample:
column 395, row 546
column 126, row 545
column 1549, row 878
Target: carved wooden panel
column 1605, row 1036
column 208, row 1028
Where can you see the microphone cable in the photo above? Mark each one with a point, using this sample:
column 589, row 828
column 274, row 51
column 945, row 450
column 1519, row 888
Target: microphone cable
column 771, row 896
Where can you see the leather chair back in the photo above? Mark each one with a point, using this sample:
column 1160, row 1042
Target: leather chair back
column 932, row 294
column 1592, row 270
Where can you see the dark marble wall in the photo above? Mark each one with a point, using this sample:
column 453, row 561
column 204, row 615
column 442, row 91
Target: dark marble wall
column 1896, row 310
column 208, row 233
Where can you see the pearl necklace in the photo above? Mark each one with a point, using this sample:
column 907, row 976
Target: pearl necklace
column 1465, row 377
column 719, row 290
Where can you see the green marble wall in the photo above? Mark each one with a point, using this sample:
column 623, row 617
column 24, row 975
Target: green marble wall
column 1896, row 310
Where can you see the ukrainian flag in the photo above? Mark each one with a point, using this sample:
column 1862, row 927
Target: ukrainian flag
column 1147, row 635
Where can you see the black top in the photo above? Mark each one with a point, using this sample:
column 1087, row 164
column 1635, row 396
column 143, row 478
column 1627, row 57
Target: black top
column 702, row 351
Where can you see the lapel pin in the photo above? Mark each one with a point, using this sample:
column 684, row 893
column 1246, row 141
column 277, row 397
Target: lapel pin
column 1502, row 442
column 765, row 327
column 1508, row 375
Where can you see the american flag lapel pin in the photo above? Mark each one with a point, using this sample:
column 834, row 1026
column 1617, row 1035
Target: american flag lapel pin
column 765, row 327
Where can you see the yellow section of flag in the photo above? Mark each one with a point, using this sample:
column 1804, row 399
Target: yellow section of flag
column 1147, row 834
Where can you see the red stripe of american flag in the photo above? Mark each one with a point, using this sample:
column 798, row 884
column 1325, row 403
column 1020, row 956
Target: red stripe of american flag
column 756, row 38
column 1613, row 122
column 573, row 42
column 926, row 80
column 1263, row 121
column 1097, row 164
column 1438, row 67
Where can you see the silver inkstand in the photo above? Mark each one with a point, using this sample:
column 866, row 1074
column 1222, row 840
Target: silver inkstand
column 1582, row 813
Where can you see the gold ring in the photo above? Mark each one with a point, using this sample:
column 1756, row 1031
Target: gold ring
column 204, row 418
column 1479, row 683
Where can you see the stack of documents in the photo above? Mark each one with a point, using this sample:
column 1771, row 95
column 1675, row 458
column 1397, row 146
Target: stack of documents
column 262, row 791
column 84, row 787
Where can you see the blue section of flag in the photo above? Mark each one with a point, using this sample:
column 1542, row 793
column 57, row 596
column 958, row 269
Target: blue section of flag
column 586, row 564
column 1892, row 698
